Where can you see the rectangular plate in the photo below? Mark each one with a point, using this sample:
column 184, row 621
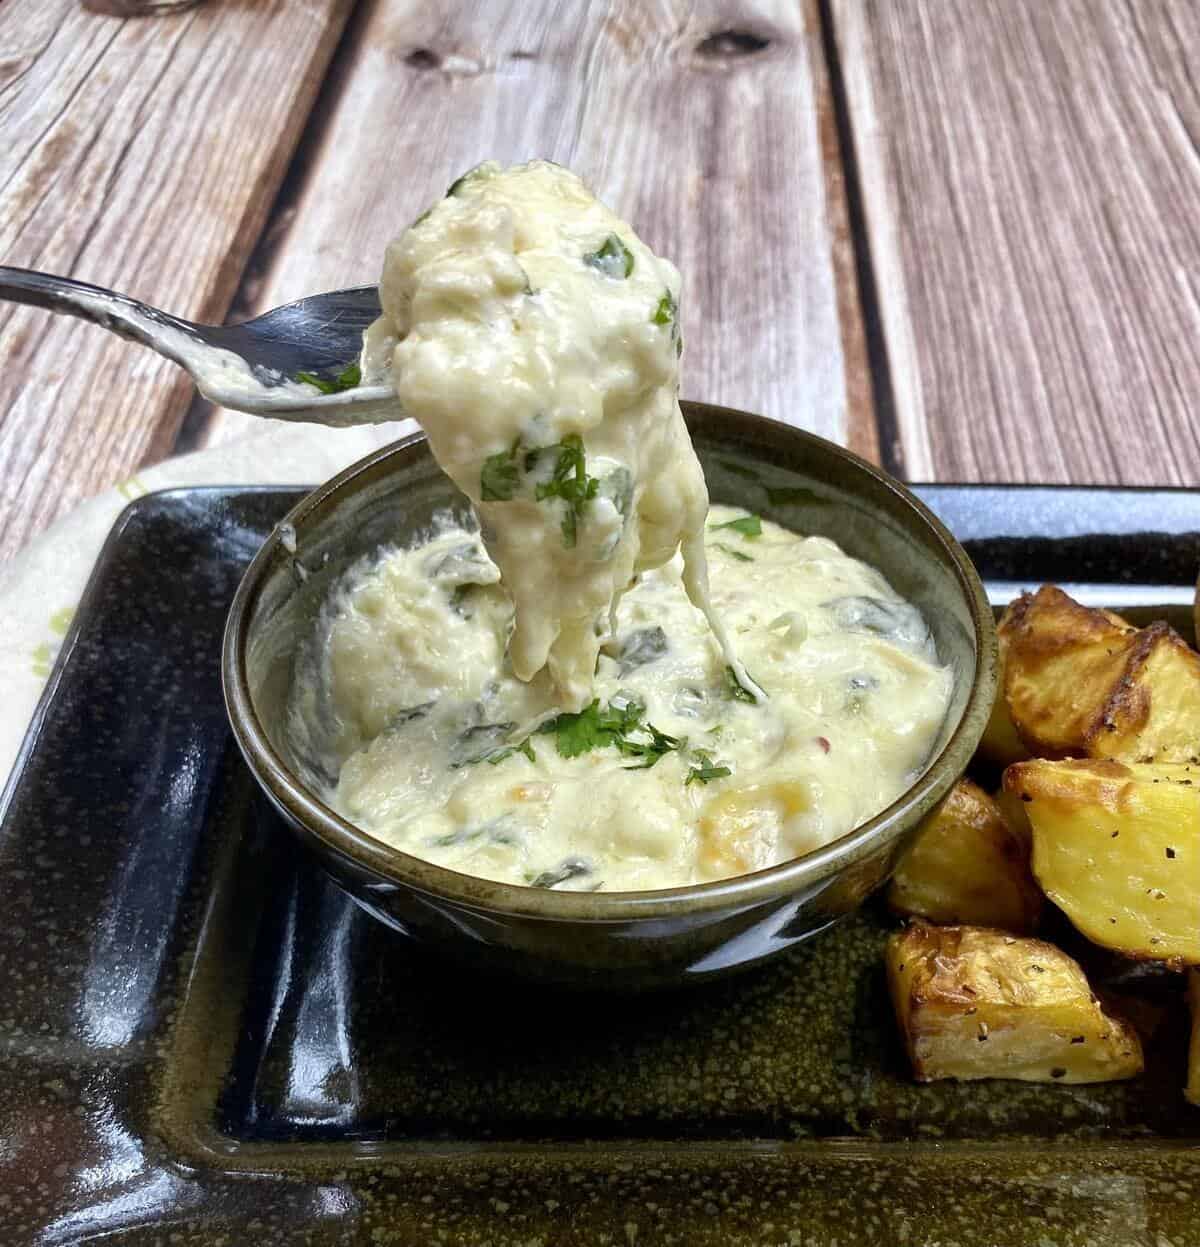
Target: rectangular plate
column 200, row 1036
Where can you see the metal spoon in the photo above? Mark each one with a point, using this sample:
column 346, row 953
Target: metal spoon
column 250, row 367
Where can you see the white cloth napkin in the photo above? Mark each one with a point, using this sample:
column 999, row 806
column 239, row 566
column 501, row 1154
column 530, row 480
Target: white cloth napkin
column 41, row 586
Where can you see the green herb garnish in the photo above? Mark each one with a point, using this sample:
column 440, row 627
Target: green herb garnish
column 570, row 482
column 666, row 311
column 613, row 258
column 499, row 477
column 704, row 774
column 706, row 770
column 619, row 724
column 658, row 746
column 347, row 379
column 748, row 525
column 593, row 728
column 734, row 554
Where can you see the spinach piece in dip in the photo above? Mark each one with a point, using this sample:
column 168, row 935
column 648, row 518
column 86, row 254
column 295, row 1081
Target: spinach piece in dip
column 486, row 742
column 569, row 868
column 897, row 621
column 646, row 645
column 612, row 258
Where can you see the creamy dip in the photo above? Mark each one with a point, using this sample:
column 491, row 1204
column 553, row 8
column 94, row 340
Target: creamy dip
column 536, row 340
column 407, row 700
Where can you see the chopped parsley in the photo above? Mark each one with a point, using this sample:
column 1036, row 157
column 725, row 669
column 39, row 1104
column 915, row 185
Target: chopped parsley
column 501, row 479
column 707, row 770
column 613, row 258
column 734, row 554
column 500, row 475
column 569, row 481
column 666, row 311
column 619, row 724
column 347, row 379
column 748, row 525
column 593, row 728
column 649, row 752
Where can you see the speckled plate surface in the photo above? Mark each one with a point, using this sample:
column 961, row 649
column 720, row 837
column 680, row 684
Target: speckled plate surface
column 203, row 1042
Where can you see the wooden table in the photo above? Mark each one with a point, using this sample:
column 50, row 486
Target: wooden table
column 961, row 237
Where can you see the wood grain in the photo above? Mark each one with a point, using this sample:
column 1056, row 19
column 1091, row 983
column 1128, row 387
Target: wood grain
column 702, row 124
column 141, row 155
column 1030, row 172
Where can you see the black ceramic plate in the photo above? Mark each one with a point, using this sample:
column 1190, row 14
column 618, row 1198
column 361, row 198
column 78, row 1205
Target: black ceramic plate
column 203, row 1042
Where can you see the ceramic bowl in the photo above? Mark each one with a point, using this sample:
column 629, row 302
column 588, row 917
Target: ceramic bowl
column 626, row 940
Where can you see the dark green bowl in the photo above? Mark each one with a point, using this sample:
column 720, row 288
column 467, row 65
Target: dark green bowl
column 612, row 939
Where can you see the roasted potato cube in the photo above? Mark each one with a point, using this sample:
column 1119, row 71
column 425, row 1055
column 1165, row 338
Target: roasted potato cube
column 968, row 865
column 1000, row 743
column 1012, row 809
column 1116, row 847
column 1191, row 1092
column 1079, row 681
column 975, row 1003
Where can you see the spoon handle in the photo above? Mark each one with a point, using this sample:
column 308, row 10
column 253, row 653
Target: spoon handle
column 116, row 312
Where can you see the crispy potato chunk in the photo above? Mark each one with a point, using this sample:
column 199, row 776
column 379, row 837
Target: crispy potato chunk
column 1191, row 1092
column 968, row 865
column 1117, row 848
column 1000, row 743
column 1079, row 681
column 975, row 1003
column 1012, row 809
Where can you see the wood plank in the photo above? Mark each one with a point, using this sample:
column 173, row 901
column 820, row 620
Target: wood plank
column 706, row 125
column 141, row 155
column 1030, row 172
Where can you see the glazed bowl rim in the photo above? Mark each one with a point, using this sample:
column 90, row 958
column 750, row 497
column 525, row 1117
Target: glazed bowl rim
column 403, row 870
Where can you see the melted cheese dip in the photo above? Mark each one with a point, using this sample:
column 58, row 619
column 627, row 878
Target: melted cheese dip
column 406, row 699
column 535, row 338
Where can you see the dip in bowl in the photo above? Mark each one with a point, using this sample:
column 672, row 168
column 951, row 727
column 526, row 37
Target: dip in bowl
column 619, row 939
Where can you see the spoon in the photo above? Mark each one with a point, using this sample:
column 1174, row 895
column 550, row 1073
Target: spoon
column 250, row 367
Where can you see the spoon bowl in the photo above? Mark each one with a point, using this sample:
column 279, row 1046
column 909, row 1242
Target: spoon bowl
column 287, row 363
